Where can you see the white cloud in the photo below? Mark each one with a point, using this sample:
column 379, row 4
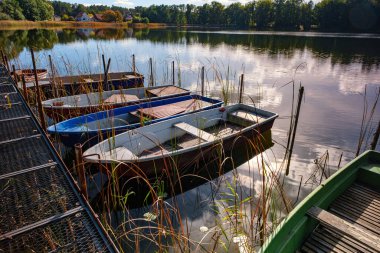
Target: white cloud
column 124, row 3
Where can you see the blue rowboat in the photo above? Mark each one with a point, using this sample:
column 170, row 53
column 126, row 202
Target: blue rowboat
column 95, row 127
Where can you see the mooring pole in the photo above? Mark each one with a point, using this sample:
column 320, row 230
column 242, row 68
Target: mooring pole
column 173, row 76
column 53, row 76
column 80, row 169
column 134, row 64
column 203, row 81
column 375, row 137
column 14, row 75
column 104, row 63
column 106, row 73
column 2, row 57
column 300, row 95
column 24, row 91
column 39, row 102
column 241, row 90
column 6, row 62
column 151, row 72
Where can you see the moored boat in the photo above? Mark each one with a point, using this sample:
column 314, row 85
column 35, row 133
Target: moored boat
column 183, row 140
column 341, row 215
column 72, row 106
column 79, row 84
column 95, row 127
column 29, row 74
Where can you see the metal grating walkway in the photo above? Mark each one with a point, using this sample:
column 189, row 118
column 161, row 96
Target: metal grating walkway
column 41, row 209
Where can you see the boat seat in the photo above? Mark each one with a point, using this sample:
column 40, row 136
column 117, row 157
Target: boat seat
column 245, row 118
column 345, row 228
column 195, row 131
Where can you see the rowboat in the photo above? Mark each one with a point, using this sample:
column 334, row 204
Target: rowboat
column 183, row 140
column 76, row 105
column 29, row 74
column 79, row 84
column 341, row 215
column 94, row 127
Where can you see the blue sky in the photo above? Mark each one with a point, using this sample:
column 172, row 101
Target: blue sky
column 133, row 3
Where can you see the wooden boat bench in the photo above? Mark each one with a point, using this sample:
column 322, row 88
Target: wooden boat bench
column 195, row 131
column 341, row 226
column 244, row 118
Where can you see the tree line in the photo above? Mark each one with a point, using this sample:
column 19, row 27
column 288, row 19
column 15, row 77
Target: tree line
column 338, row 15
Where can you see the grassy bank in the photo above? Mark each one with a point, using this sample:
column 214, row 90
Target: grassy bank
column 25, row 24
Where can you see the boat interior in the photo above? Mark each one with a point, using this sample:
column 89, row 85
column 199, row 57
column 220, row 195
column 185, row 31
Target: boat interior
column 186, row 135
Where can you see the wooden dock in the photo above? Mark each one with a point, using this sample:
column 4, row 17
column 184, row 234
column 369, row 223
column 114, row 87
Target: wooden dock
column 41, row 209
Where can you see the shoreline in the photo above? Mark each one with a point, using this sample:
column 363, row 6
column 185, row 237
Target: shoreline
column 28, row 25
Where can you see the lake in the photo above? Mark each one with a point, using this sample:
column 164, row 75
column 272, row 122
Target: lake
column 340, row 73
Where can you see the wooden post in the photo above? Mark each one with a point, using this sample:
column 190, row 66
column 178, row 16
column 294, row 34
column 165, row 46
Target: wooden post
column 54, row 88
column 173, row 74
column 104, row 63
column 79, row 164
column 24, row 91
column 151, row 81
column 134, row 64
column 2, row 57
column 375, row 137
column 7, row 63
column 203, row 81
column 241, row 89
column 39, row 102
column 300, row 95
column 14, row 75
column 106, row 74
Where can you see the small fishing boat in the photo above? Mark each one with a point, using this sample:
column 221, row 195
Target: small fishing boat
column 29, row 74
column 79, row 84
column 95, row 127
column 185, row 140
column 73, row 106
column 341, row 215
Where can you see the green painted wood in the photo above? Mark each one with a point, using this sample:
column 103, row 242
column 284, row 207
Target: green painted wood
column 297, row 226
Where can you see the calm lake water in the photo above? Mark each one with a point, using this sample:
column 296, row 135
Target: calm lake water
column 335, row 70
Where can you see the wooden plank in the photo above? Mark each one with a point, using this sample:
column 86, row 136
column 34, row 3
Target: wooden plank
column 248, row 116
column 345, row 227
column 347, row 242
column 159, row 112
column 121, row 98
column 165, row 91
column 334, row 243
column 195, row 131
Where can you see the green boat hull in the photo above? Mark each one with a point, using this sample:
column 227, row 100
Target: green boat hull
column 294, row 230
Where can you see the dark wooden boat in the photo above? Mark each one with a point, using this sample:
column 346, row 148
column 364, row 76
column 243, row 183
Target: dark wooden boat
column 179, row 143
column 29, row 74
column 72, row 106
column 86, row 83
column 341, row 215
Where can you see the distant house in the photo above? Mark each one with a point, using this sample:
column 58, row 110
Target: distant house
column 56, row 18
column 82, row 16
column 128, row 17
column 98, row 18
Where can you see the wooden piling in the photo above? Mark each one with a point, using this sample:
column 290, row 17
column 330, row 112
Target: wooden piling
column 7, row 62
column 38, row 93
column 203, row 81
column 241, row 89
column 24, row 91
column 54, row 87
column 14, row 75
column 375, row 137
column 293, row 133
column 134, row 64
column 151, row 81
column 173, row 76
column 79, row 164
column 106, row 74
